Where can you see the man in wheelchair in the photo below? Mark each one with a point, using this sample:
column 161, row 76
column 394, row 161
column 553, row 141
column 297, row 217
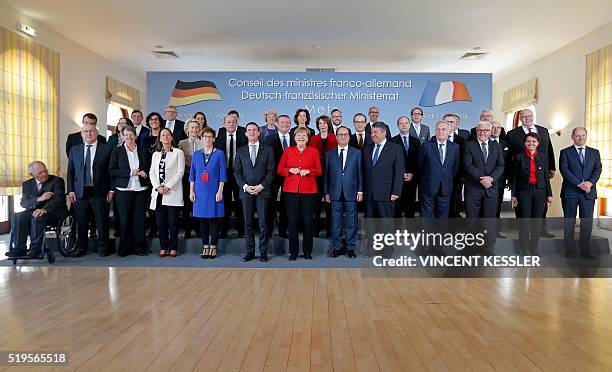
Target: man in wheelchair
column 44, row 200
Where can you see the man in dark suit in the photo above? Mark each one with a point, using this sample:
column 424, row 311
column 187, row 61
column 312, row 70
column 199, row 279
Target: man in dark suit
column 239, row 130
column 463, row 133
column 502, row 181
column 516, row 145
column 438, row 167
column 417, row 128
column 229, row 141
column 76, row 139
column 254, row 171
column 456, row 204
column 343, row 188
column 362, row 137
column 383, row 173
column 142, row 132
column 89, row 187
column 44, row 200
column 279, row 142
column 483, row 165
column 580, row 167
column 336, row 118
column 406, row 205
column 176, row 126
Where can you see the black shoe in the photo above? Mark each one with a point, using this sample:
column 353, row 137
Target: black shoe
column 152, row 234
column 34, row 254
column 501, row 235
column 588, row 256
column 308, row 256
column 547, row 234
column 283, row 235
column 103, row 254
column 351, row 253
column 264, row 258
column 80, row 254
column 335, row 253
column 248, row 257
column 292, row 257
column 187, row 235
column 16, row 253
column 223, row 235
column 570, row 255
column 140, row 254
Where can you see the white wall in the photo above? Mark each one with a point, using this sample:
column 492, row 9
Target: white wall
column 82, row 76
column 561, row 87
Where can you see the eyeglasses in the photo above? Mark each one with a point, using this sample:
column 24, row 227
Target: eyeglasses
column 359, row 122
column 342, row 134
column 483, row 130
column 207, row 136
column 525, row 117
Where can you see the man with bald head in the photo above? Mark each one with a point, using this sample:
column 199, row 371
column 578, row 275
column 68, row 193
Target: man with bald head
column 44, row 200
column 580, row 167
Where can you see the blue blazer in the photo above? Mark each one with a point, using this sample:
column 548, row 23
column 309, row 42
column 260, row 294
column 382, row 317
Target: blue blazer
column 347, row 182
column 575, row 173
column 76, row 170
column 435, row 175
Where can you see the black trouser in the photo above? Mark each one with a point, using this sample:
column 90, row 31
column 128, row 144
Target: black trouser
column 250, row 205
column 530, row 209
column 187, row 222
column 34, row 227
column 132, row 206
column 209, row 231
column 100, row 208
column 379, row 209
column 277, row 207
column 479, row 205
column 406, row 206
column 455, row 200
column 299, row 213
column 570, row 205
column 500, row 201
column 230, row 188
column 167, row 224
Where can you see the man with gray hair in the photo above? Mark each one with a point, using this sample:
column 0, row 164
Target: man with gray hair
column 177, row 127
column 44, row 199
column 438, row 167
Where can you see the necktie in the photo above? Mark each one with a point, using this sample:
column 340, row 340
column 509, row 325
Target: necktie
column 530, row 129
column 253, row 154
column 285, row 142
column 231, row 152
column 485, row 153
column 88, row 178
column 375, row 158
column 342, row 159
column 360, row 142
column 405, row 144
column 441, row 153
column 581, row 155
column 38, row 186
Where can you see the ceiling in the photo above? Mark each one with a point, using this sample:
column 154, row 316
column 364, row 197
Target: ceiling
column 358, row 35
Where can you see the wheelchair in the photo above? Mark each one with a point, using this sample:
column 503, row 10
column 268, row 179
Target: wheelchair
column 59, row 233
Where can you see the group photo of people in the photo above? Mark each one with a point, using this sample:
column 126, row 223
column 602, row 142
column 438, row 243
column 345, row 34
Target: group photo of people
column 298, row 178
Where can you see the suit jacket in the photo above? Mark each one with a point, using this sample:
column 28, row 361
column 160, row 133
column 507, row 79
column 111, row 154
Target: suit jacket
column 461, row 142
column 178, row 133
column 423, row 136
column 574, row 173
column 76, row 170
column 143, row 137
column 520, row 174
column 411, row 157
column 474, row 167
column 348, row 181
column 516, row 144
column 119, row 167
column 241, row 132
column 435, row 175
column 275, row 144
column 464, row 133
column 174, row 169
column 262, row 173
column 76, row 139
column 387, row 176
column 56, row 206
column 367, row 139
column 221, row 144
column 507, row 175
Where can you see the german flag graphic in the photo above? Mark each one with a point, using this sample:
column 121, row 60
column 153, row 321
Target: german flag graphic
column 188, row 92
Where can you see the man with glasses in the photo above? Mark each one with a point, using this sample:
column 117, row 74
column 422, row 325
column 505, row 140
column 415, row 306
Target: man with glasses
column 177, row 127
column 417, row 128
column 76, row 139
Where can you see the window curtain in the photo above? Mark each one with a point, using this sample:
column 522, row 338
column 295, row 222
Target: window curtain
column 122, row 94
column 520, row 96
column 29, row 109
column 598, row 111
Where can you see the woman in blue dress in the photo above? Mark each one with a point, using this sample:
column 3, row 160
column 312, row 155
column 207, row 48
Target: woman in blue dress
column 206, row 179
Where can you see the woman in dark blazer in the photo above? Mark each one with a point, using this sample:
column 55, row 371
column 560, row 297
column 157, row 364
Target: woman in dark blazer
column 116, row 140
column 300, row 165
column 302, row 120
column 530, row 192
column 323, row 142
column 129, row 179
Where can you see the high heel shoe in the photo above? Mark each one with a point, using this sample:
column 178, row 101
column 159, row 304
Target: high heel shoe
column 173, row 253
column 213, row 252
column 205, row 252
column 162, row 253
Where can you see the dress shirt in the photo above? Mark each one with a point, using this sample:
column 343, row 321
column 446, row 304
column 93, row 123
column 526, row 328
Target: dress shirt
column 526, row 130
column 286, row 135
column 382, row 145
column 438, row 143
column 170, row 125
column 344, row 154
column 417, row 128
column 138, row 129
column 227, row 145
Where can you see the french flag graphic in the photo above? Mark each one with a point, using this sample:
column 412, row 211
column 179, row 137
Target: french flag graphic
column 436, row 94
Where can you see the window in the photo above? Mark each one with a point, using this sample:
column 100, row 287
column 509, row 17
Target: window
column 513, row 117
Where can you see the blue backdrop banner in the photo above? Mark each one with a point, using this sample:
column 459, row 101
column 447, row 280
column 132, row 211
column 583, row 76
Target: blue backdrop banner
column 252, row 93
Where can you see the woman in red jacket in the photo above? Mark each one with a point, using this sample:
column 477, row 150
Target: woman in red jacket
column 300, row 165
column 323, row 142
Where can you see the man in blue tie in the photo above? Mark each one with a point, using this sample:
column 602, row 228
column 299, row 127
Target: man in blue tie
column 438, row 167
column 343, row 188
column 406, row 206
column 383, row 172
column 89, row 188
column 580, row 167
